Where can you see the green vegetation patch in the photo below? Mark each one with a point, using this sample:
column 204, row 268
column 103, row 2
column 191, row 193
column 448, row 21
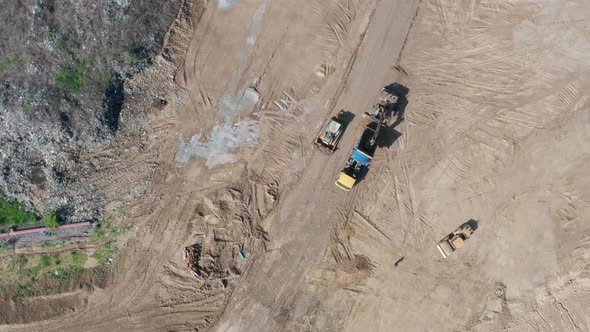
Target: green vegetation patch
column 8, row 63
column 105, row 77
column 28, row 107
column 78, row 259
column 51, row 221
column 108, row 228
column 32, row 275
column 72, row 77
column 104, row 252
column 131, row 57
column 12, row 213
column 27, row 275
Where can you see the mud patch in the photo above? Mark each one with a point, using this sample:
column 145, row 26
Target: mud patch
column 226, row 4
column 230, row 135
column 225, row 139
column 45, row 308
column 353, row 271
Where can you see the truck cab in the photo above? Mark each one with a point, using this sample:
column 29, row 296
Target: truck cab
column 345, row 181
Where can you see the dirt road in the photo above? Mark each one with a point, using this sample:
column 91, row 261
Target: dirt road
column 276, row 294
column 495, row 128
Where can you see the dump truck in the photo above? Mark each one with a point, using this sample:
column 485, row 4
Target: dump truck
column 330, row 136
column 455, row 240
column 364, row 149
column 360, row 158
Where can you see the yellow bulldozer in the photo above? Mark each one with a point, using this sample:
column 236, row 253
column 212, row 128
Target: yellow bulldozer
column 328, row 139
column 455, row 240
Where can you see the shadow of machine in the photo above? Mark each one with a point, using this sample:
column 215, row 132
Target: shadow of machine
column 471, row 223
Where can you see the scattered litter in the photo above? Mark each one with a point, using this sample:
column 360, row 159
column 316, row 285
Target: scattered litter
column 192, row 255
column 242, row 256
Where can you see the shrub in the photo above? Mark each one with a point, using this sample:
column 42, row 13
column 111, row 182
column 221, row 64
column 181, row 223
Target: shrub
column 131, row 57
column 72, row 78
column 7, row 63
column 28, row 107
column 78, row 259
column 44, row 261
column 105, row 251
column 11, row 213
column 51, row 221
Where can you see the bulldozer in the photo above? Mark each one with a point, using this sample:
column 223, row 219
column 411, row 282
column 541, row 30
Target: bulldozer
column 455, row 240
column 330, row 136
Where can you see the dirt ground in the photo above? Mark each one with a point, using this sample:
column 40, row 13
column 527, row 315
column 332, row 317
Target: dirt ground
column 494, row 128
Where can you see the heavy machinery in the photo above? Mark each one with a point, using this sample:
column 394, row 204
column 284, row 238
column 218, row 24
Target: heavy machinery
column 455, row 240
column 364, row 149
column 330, row 136
column 384, row 110
column 359, row 159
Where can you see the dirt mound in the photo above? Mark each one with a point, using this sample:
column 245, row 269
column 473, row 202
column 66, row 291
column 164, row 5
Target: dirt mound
column 180, row 33
column 45, row 308
column 67, row 297
column 225, row 234
column 353, row 271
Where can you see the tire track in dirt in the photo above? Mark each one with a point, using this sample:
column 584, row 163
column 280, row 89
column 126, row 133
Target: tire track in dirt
column 137, row 291
column 345, row 77
column 401, row 51
column 496, row 140
column 478, row 151
column 197, row 34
